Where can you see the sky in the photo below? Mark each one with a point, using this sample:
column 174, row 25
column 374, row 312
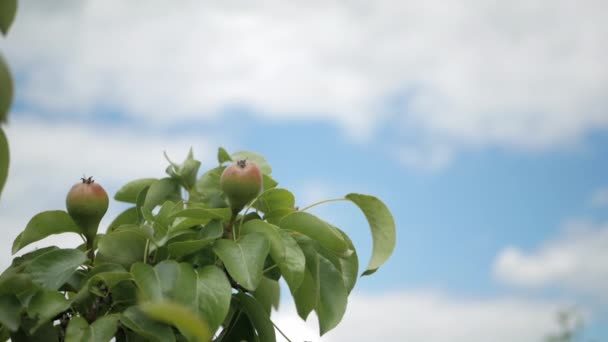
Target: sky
column 482, row 125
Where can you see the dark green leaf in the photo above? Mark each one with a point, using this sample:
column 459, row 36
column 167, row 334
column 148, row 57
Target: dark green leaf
column 317, row 229
column 43, row 225
column 128, row 216
column 165, row 189
column 239, row 329
column 214, row 292
column 6, row 86
column 182, row 248
column 8, row 8
column 257, row 158
column 271, row 232
column 53, row 269
column 268, row 294
column 102, row 330
column 307, row 296
column 10, row 311
column 383, row 229
column 332, row 296
column 128, row 193
column 45, row 333
column 182, row 317
column 147, row 281
column 137, row 321
column 223, row 156
column 244, row 259
column 4, row 159
column 44, row 306
column 294, row 265
column 122, row 247
column 258, row 316
column 203, row 214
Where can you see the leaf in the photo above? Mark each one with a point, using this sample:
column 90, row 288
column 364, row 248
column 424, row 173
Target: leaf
column 51, row 270
column 123, row 247
column 271, row 232
column 44, row 306
column 223, row 156
column 306, row 297
column 275, row 203
column 333, row 296
column 45, row 333
column 184, row 174
column 128, row 193
column 4, row 158
column 294, row 265
column 180, row 316
column 214, row 292
column 129, row 216
column 10, row 311
column 102, row 330
column 180, row 249
column 43, row 225
column 165, row 189
column 147, row 281
column 203, row 214
column 8, row 8
column 6, row 86
column 178, row 282
column 244, row 259
column 383, row 229
column 268, row 294
column 268, row 182
column 239, row 329
column 258, row 316
column 317, row 229
column 134, row 319
column 257, row 158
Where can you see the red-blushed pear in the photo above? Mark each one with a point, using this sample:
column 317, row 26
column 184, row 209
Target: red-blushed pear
column 87, row 202
column 241, row 182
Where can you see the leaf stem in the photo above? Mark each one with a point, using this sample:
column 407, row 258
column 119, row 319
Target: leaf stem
column 276, row 327
column 322, row 202
column 146, row 251
column 269, row 268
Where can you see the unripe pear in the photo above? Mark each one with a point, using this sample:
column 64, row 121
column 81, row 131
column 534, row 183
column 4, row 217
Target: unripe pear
column 87, row 202
column 241, row 182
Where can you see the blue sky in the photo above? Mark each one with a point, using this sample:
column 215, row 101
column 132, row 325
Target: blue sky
column 484, row 129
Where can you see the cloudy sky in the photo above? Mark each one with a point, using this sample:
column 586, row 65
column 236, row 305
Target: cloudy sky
column 482, row 125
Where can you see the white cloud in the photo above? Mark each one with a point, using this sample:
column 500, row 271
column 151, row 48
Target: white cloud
column 521, row 74
column 429, row 316
column 577, row 259
column 47, row 159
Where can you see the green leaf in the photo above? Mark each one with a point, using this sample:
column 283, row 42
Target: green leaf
column 123, row 247
column 317, row 229
column 204, row 214
column 51, row 270
column 184, row 174
column 275, row 203
column 306, row 297
column 4, row 159
column 166, row 189
column 128, row 216
column 43, row 225
column 223, row 156
column 10, row 311
column 134, row 319
column 45, row 333
column 258, row 316
column 383, row 229
column 102, row 330
column 182, row 317
column 128, row 193
column 181, row 249
column 147, row 281
column 268, row 182
column 110, row 279
column 6, row 87
column 257, row 158
column 44, row 306
column 178, row 282
column 268, row 294
column 333, row 296
column 239, row 329
column 294, row 265
column 244, row 259
column 271, row 232
column 8, row 8
column 214, row 292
